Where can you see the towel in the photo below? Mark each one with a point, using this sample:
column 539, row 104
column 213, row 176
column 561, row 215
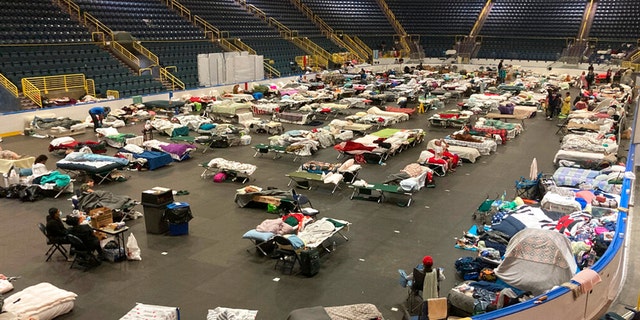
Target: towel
column 437, row 308
column 587, row 279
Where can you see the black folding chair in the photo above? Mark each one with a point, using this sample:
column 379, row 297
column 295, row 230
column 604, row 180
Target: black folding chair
column 287, row 255
column 84, row 257
column 53, row 244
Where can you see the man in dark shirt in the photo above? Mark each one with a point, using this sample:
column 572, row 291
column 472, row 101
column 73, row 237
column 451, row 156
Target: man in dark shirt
column 55, row 229
column 85, row 233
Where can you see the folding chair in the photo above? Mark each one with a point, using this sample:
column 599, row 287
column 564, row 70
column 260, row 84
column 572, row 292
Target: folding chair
column 287, row 255
column 415, row 292
column 303, row 204
column 53, row 245
column 528, row 189
column 84, row 257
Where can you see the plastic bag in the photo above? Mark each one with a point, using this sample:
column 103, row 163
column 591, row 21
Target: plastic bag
column 133, row 250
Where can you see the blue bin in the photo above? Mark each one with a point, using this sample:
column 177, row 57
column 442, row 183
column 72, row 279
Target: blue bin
column 178, row 229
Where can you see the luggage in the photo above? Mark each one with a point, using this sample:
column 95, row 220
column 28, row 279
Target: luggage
column 310, row 262
column 219, row 177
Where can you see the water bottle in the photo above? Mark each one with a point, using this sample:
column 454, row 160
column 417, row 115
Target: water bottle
column 333, row 246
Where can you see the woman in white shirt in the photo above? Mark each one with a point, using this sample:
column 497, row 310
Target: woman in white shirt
column 39, row 168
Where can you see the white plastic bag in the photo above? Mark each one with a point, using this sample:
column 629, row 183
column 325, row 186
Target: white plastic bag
column 133, row 250
column 5, row 286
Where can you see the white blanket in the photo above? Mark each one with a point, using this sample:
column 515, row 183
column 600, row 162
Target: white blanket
column 44, row 301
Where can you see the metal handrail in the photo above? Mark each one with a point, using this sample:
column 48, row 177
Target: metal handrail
column 91, row 20
column 147, row 53
column 32, row 92
column 72, row 7
column 126, row 53
column 5, row 82
column 90, row 87
column 175, row 82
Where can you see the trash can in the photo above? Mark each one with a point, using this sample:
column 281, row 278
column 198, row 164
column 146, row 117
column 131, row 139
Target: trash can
column 154, row 202
column 178, row 215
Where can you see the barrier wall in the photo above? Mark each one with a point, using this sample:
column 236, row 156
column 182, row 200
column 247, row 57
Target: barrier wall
column 14, row 123
column 560, row 302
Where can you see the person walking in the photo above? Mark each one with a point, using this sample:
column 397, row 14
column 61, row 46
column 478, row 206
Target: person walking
column 553, row 104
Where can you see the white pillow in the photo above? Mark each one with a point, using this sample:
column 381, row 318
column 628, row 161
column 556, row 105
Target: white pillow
column 615, row 168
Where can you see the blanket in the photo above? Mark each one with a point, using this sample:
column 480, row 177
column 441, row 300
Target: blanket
column 38, row 300
column 101, row 198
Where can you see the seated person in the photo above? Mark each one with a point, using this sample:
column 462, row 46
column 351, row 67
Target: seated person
column 55, row 229
column 39, row 168
column 86, row 234
column 441, row 151
column 582, row 104
column 86, row 187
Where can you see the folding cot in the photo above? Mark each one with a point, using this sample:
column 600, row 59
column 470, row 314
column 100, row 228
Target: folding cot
column 320, row 172
column 237, row 170
column 277, row 150
column 98, row 166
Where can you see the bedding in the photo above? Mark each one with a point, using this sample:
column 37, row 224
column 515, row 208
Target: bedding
column 293, row 117
column 151, row 160
column 177, row 151
column 484, row 146
column 590, row 142
column 42, row 301
column 572, row 177
column 265, row 108
column 347, row 312
column 91, row 163
column 587, row 160
column 148, row 311
column 169, row 128
column 236, row 169
column 100, row 198
column 468, row 153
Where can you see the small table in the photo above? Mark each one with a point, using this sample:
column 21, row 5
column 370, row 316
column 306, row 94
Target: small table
column 119, row 237
column 368, row 192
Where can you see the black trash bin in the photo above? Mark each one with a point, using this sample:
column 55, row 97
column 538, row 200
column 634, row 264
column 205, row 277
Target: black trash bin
column 178, row 215
column 154, row 203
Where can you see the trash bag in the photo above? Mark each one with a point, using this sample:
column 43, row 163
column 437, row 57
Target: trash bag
column 133, row 250
column 178, row 212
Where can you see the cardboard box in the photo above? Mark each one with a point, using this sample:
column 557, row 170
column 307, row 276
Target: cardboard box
column 101, row 217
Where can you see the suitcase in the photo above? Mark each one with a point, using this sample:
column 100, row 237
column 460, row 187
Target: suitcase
column 310, row 262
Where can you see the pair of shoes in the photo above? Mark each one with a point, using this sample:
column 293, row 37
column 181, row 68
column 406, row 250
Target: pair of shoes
column 182, row 193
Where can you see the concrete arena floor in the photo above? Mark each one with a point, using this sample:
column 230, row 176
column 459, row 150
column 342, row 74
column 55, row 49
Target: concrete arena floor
column 211, row 267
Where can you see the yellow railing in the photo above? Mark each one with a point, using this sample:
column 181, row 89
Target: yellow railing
column 113, row 93
column 74, row 9
column 635, row 56
column 273, row 72
column 226, row 45
column 340, row 57
column 90, row 87
column 125, row 53
column 585, row 22
column 34, row 87
column 209, row 28
column 243, row 46
column 173, row 4
column 32, row 92
column 150, row 55
column 98, row 36
column 176, row 84
column 284, row 30
column 91, row 21
column 253, row 9
column 396, row 25
column 481, row 16
column 354, row 47
column 141, row 70
column 363, row 45
column 321, row 55
column 9, row 85
column 628, row 64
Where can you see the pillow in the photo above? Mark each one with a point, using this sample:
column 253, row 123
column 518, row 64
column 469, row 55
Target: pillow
column 602, row 177
column 616, row 168
column 346, row 165
column 254, row 234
